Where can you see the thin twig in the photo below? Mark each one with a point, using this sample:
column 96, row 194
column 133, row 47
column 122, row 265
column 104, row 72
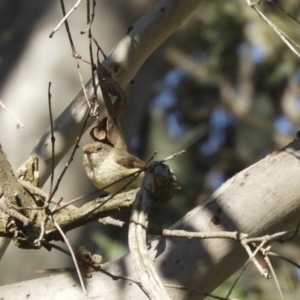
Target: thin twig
column 151, row 158
column 112, row 221
column 98, row 47
column 66, row 204
column 284, row 37
column 264, row 272
column 82, row 84
column 282, row 9
column 170, row 157
column 65, row 18
column 75, row 54
column 284, row 258
column 72, row 254
column 93, row 66
column 251, row 256
column 52, row 139
column 19, row 124
column 267, row 260
column 71, row 157
column 89, row 23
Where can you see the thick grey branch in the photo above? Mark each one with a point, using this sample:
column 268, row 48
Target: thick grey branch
column 262, row 199
column 124, row 61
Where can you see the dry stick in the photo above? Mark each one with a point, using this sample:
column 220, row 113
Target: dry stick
column 71, row 157
column 82, row 84
column 72, row 254
column 74, row 52
column 205, row 235
column 267, row 238
column 264, row 272
column 89, row 23
column 283, row 258
column 282, row 9
column 53, row 191
column 267, row 260
column 93, row 66
column 98, row 47
column 243, row 269
column 76, row 55
column 151, row 158
column 112, row 221
column 66, row 204
column 85, row 120
column 64, row 18
column 52, row 139
column 19, row 124
column 62, row 4
column 170, row 157
column 295, row 233
column 284, row 37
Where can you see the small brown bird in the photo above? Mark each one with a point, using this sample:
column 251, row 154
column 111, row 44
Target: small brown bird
column 104, row 165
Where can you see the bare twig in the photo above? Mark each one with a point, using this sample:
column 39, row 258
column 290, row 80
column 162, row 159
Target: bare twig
column 284, row 258
column 64, row 18
column 173, row 155
column 284, row 37
column 267, row 260
column 93, row 66
column 251, row 257
column 82, row 84
column 90, row 19
column 282, row 9
column 264, row 272
column 205, row 235
column 52, row 139
column 98, row 47
column 70, row 159
column 72, row 254
column 112, row 221
column 19, row 123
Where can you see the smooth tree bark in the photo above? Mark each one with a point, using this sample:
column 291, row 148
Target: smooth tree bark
column 124, row 61
column 260, row 200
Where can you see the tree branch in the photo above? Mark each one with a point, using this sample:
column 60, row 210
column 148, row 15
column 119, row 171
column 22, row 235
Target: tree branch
column 262, row 199
column 124, row 61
